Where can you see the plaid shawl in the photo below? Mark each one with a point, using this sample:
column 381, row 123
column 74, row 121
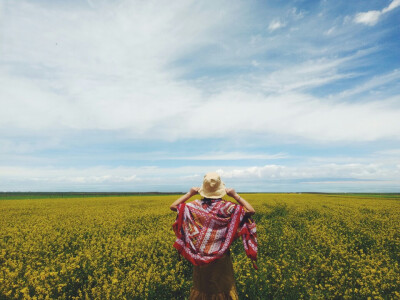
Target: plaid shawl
column 206, row 228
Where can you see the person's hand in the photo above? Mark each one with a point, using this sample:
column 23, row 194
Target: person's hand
column 230, row 192
column 194, row 190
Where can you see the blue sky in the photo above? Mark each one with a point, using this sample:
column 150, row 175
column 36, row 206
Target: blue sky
column 276, row 96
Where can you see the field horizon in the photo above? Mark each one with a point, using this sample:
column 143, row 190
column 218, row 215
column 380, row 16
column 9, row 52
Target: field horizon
column 52, row 194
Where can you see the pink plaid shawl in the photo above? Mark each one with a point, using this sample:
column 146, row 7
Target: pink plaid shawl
column 206, row 229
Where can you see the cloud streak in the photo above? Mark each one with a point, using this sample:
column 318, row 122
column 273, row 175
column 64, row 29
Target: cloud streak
column 372, row 17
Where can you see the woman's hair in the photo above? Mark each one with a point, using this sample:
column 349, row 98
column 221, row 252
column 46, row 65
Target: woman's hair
column 209, row 199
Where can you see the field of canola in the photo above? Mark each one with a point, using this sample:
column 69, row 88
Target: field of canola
column 311, row 246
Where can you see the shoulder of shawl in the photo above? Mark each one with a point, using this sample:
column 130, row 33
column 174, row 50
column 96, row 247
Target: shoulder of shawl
column 229, row 204
column 194, row 203
column 227, row 208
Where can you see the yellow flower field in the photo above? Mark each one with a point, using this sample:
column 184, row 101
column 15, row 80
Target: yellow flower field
column 311, row 246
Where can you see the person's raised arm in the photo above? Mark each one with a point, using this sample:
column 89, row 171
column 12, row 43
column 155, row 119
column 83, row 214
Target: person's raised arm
column 232, row 193
column 193, row 191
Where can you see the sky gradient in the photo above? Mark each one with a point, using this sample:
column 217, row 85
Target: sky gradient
column 276, row 96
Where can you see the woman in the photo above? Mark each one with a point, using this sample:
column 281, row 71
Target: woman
column 205, row 229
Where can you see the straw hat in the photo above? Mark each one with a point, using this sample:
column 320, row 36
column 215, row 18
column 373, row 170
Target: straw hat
column 212, row 186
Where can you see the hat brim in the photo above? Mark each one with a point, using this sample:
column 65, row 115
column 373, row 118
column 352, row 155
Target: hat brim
column 219, row 193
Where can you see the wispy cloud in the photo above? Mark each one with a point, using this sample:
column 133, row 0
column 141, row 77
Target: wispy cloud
column 276, row 24
column 372, row 17
column 386, row 80
column 230, row 156
column 307, row 74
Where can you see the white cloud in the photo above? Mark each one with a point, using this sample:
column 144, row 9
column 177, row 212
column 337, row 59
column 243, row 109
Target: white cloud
column 372, row 17
column 9, row 146
column 152, row 178
column 112, row 69
column 395, row 152
column 367, row 171
column 287, row 113
column 364, row 184
column 330, row 31
column 231, row 156
column 368, row 18
column 292, row 114
column 392, row 5
column 275, row 24
column 100, row 178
